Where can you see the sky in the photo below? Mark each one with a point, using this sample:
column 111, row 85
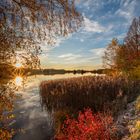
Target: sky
column 103, row 20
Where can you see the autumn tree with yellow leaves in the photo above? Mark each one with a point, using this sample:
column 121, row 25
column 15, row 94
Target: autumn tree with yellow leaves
column 125, row 57
column 24, row 24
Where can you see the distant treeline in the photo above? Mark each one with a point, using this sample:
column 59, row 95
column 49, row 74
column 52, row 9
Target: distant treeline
column 10, row 71
column 62, row 71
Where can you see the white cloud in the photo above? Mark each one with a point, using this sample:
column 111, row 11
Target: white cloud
column 127, row 9
column 124, row 13
column 93, row 57
column 92, row 26
column 65, row 55
column 97, row 52
column 88, row 4
column 82, row 40
column 70, row 56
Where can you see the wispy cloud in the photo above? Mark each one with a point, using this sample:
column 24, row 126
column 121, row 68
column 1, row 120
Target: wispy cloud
column 97, row 52
column 127, row 9
column 92, row 26
column 87, row 4
column 70, row 56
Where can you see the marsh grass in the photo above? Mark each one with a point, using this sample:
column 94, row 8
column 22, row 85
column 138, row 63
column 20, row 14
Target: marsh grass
column 100, row 93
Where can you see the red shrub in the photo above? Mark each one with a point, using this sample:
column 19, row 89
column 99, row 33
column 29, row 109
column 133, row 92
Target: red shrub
column 86, row 127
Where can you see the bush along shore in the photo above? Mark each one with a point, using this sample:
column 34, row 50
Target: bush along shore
column 102, row 94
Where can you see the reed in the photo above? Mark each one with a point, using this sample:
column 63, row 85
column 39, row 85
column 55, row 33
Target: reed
column 97, row 92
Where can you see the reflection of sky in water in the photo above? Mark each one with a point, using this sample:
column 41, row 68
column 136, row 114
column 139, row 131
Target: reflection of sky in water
column 36, row 122
column 30, row 92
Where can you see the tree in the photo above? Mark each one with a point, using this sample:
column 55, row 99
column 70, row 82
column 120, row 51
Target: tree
column 110, row 54
column 132, row 45
column 126, row 56
column 24, row 24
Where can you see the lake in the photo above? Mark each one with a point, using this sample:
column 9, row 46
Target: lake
column 32, row 122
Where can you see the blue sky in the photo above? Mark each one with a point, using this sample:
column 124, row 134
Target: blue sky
column 103, row 20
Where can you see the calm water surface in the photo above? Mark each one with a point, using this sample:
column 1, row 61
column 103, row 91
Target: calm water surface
column 32, row 122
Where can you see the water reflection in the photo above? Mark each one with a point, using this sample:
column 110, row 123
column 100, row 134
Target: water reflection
column 18, row 81
column 38, row 123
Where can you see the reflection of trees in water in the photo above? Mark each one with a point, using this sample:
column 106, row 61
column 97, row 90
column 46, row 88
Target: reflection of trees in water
column 24, row 25
column 9, row 84
column 7, row 97
column 10, row 80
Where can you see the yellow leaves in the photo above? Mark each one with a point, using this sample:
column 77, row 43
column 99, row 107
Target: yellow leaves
column 136, row 133
column 138, row 125
column 114, row 42
column 135, row 136
column 11, row 116
column 5, row 134
column 125, row 56
column 135, row 73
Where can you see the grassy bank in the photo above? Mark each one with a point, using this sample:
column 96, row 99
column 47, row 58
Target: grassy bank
column 98, row 93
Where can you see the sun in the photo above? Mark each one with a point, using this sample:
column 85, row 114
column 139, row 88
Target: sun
column 18, row 65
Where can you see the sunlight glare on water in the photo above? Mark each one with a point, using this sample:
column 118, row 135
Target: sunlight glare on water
column 18, row 80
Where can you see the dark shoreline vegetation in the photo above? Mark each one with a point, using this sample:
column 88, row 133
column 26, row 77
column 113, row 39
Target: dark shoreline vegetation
column 105, row 94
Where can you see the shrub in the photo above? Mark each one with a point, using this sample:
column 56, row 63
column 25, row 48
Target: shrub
column 87, row 127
